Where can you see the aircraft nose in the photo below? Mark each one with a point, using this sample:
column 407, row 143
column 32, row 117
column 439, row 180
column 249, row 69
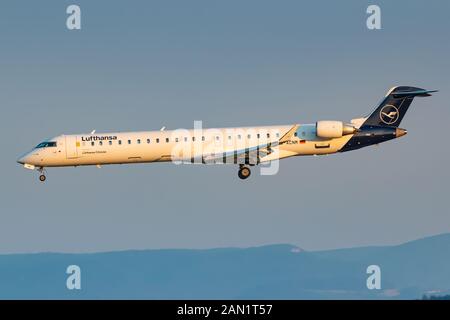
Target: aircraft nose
column 26, row 158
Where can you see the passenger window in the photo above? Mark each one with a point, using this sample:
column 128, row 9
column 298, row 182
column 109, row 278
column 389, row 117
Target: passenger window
column 249, row 136
column 92, row 143
column 217, row 138
column 258, row 135
column 148, row 140
column 278, row 135
column 138, row 141
column 120, row 142
column 176, row 139
column 268, row 135
column 129, row 141
column 203, row 138
column 110, row 142
column 239, row 136
column 193, row 138
column 100, row 143
column 229, row 137
column 295, row 134
column 157, row 140
column 167, row 140
column 185, row 139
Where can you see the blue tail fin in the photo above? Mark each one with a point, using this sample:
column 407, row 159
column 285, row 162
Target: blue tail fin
column 394, row 105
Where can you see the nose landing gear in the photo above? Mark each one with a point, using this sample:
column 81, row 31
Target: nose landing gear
column 244, row 172
column 42, row 176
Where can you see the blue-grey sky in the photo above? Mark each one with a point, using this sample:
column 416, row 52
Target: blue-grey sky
column 140, row 65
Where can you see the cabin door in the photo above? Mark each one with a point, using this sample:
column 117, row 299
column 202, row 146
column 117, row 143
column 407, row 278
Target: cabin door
column 72, row 145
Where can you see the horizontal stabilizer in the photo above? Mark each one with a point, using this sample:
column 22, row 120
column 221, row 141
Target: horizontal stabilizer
column 416, row 93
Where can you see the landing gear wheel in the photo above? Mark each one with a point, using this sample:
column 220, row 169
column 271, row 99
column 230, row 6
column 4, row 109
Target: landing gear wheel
column 244, row 172
column 42, row 177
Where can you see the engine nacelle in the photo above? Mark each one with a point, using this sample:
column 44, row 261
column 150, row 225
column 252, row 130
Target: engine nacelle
column 333, row 129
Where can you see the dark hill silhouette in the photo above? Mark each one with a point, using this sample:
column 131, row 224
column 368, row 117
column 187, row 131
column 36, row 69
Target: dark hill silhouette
column 282, row 271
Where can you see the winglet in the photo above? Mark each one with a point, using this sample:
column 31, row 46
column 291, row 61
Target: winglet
column 288, row 135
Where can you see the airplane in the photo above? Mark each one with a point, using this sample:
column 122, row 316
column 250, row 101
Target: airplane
column 245, row 146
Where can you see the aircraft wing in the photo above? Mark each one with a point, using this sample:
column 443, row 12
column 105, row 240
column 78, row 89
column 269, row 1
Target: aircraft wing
column 288, row 135
column 250, row 155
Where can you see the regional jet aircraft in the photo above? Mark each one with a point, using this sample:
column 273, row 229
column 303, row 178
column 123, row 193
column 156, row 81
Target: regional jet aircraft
column 245, row 146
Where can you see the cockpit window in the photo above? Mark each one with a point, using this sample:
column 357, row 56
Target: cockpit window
column 46, row 144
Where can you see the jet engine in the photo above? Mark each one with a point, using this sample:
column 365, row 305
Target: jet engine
column 333, row 129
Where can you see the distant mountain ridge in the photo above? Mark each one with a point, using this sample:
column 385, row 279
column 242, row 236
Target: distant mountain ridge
column 282, row 271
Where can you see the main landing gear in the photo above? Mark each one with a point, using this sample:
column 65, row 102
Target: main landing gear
column 244, row 172
column 42, row 176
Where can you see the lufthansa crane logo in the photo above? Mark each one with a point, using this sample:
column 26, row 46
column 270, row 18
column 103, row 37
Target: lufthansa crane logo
column 389, row 114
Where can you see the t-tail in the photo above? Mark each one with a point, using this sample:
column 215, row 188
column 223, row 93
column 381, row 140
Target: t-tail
column 382, row 124
column 394, row 105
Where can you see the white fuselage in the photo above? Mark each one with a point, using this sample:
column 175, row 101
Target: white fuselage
column 159, row 146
